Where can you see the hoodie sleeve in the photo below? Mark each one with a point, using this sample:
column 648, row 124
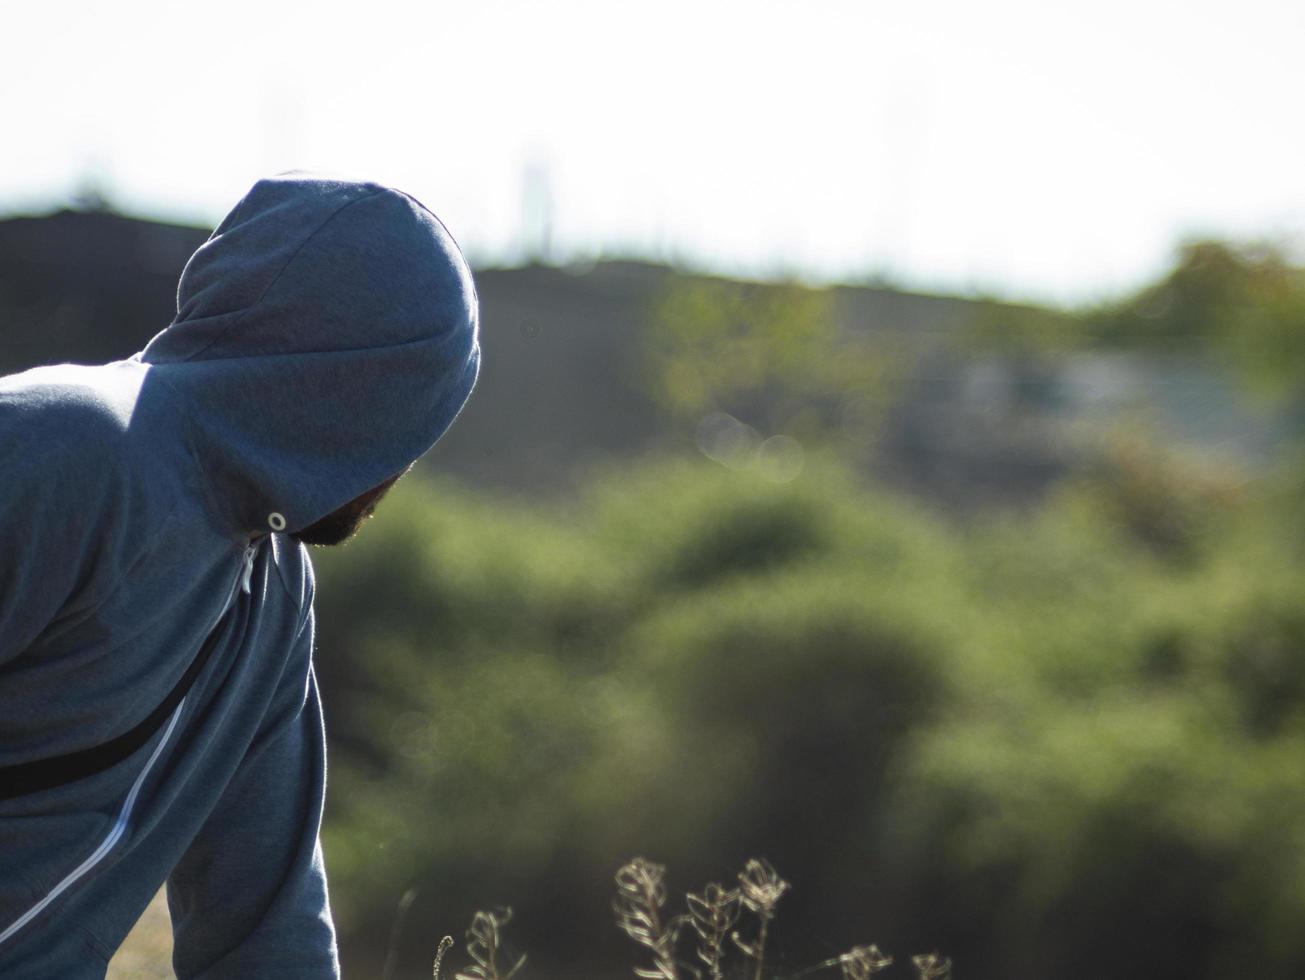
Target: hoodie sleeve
column 249, row 898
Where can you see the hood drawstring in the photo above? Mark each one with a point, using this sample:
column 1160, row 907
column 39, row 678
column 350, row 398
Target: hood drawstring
column 248, row 575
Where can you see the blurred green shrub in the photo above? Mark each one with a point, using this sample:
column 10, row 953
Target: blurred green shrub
column 777, row 355
column 1055, row 743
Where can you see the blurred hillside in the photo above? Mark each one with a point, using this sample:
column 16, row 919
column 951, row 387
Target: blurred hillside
column 565, row 385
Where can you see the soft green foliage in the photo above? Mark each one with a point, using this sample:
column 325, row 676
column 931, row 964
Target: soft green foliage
column 1241, row 303
column 774, row 354
column 1023, row 740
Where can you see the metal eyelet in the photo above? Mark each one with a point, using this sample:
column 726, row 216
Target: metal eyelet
column 276, row 521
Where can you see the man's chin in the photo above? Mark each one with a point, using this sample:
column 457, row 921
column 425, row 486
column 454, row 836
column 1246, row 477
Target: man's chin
column 340, row 525
column 330, row 530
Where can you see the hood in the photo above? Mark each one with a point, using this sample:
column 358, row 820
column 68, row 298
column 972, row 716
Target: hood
column 327, row 335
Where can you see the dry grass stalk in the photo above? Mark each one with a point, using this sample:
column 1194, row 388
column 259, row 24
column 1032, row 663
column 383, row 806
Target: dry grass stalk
column 640, row 895
column 405, row 903
column 761, row 888
column 713, row 914
column 863, row 962
column 931, row 966
column 640, row 898
column 446, row 944
column 483, row 943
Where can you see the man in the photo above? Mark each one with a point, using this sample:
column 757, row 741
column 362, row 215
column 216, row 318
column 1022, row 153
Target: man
column 159, row 716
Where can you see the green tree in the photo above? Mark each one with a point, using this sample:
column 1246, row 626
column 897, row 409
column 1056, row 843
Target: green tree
column 775, row 355
column 1242, row 304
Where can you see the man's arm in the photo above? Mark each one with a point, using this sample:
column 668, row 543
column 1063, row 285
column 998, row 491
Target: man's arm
column 248, row 899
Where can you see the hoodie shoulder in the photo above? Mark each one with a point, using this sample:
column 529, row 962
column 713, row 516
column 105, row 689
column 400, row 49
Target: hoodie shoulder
column 64, row 420
column 78, row 509
column 90, row 446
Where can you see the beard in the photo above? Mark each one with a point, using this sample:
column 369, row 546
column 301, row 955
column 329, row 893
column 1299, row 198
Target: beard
column 336, row 527
column 342, row 524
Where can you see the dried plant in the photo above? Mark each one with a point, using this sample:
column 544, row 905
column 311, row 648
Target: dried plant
column 713, row 914
column 863, row 962
column 640, row 895
column 931, row 966
column 405, row 903
column 760, row 888
column 639, row 903
column 483, row 944
column 446, row 944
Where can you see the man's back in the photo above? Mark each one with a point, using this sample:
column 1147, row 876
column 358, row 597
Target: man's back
column 159, row 718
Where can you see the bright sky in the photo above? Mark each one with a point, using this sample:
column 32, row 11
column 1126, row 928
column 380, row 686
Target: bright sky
column 1032, row 147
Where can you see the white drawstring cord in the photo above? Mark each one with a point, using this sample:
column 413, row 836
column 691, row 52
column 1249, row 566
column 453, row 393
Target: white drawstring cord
column 250, row 552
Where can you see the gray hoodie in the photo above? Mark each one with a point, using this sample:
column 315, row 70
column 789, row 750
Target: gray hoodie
column 157, row 696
